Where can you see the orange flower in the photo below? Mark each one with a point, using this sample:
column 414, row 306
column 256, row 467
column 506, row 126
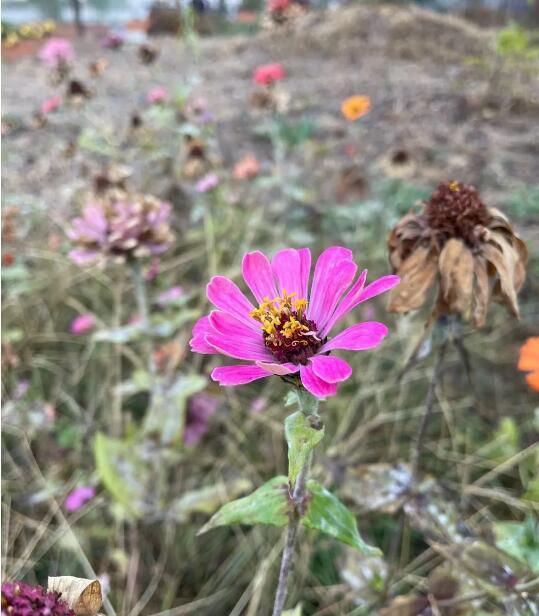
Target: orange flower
column 355, row 107
column 529, row 361
column 246, row 168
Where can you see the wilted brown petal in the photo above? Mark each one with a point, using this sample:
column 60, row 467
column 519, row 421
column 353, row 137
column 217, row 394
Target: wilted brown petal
column 456, row 266
column 417, row 274
column 503, row 259
column 481, row 292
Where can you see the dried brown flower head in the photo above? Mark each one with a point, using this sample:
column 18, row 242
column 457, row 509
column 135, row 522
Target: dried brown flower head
column 471, row 251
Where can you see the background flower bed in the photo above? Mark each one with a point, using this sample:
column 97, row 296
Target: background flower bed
column 432, row 117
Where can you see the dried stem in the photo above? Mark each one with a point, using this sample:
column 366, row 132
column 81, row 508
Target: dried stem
column 429, row 407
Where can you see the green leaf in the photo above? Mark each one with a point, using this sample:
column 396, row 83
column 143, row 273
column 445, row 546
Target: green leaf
column 207, row 499
column 302, row 435
column 326, row 513
column 121, row 472
column 520, row 540
column 166, row 418
column 269, row 504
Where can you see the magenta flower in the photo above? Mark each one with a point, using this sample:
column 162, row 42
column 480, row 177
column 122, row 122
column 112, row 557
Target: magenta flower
column 289, row 331
column 207, row 183
column 56, row 51
column 79, row 497
column 156, row 95
column 200, row 408
column 51, row 104
column 20, row 599
column 121, row 230
column 82, row 324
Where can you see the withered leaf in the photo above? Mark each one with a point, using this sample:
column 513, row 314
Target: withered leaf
column 503, row 259
column 481, row 292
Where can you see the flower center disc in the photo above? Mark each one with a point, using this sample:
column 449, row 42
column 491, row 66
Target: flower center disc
column 288, row 334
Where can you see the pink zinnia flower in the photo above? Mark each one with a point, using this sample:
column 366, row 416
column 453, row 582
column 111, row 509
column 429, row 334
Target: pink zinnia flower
column 82, row 324
column 207, row 183
column 79, row 497
column 113, row 40
column 157, row 95
column 51, row 104
column 55, row 51
column 289, row 331
column 267, row 74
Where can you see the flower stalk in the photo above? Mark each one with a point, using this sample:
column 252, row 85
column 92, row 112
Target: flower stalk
column 309, row 407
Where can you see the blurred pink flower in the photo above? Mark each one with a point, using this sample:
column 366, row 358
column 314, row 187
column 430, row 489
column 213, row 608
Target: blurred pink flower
column 267, row 74
column 79, row 497
column 258, row 405
column 55, row 51
column 121, row 230
column 113, row 40
column 207, row 183
column 169, row 296
column 246, row 168
column 199, row 410
column 158, row 94
column 152, row 271
column 82, row 324
column 51, row 104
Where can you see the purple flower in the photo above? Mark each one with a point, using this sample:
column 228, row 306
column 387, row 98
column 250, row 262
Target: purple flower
column 82, row 324
column 169, row 296
column 289, row 332
column 20, row 599
column 79, row 497
column 199, row 410
column 56, row 51
column 208, row 182
column 113, row 40
column 121, row 230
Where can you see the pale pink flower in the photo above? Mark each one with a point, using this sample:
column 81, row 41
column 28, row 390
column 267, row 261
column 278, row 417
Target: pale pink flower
column 56, row 51
column 157, row 95
column 78, row 497
column 207, row 183
column 82, row 324
column 51, row 104
column 288, row 334
column 169, row 296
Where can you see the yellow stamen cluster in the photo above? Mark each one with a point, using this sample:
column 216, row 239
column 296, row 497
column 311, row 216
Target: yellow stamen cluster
column 453, row 186
column 281, row 315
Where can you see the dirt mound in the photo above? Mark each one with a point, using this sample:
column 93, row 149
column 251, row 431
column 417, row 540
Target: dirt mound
column 407, row 33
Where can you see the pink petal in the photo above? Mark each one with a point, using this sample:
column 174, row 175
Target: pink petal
column 238, row 375
column 328, row 293
column 287, row 267
column 357, row 295
column 229, row 327
column 198, row 342
column 258, row 275
column 239, row 347
column 226, row 296
column 314, row 385
column 331, row 369
column 347, row 303
column 278, row 369
column 358, row 337
column 305, row 271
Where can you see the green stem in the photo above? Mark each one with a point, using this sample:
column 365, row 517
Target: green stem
column 309, row 407
column 144, row 311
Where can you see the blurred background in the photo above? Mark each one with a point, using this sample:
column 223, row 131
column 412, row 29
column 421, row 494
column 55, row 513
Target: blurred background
column 116, row 444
